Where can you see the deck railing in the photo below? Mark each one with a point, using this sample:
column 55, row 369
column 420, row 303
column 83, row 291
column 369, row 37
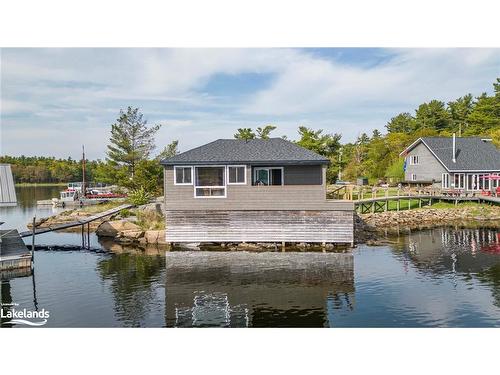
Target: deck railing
column 356, row 193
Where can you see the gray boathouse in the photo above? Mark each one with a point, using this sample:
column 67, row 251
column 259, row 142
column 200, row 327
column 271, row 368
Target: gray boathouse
column 259, row 190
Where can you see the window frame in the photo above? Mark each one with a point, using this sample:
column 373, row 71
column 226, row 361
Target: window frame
column 268, row 169
column 244, row 175
column 414, row 160
column 183, row 183
column 210, row 187
column 445, row 177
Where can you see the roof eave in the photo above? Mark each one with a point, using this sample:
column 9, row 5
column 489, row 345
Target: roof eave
column 251, row 162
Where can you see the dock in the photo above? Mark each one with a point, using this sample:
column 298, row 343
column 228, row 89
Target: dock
column 371, row 202
column 76, row 223
column 381, row 204
column 14, row 255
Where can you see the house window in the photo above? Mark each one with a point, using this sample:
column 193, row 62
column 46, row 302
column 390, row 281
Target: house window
column 183, row 175
column 459, row 181
column 495, row 182
column 414, row 160
column 236, row 174
column 413, row 177
column 445, row 181
column 210, row 182
column 268, row 176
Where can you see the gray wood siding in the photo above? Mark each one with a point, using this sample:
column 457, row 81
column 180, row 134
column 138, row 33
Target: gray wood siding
column 428, row 169
column 260, row 226
column 248, row 197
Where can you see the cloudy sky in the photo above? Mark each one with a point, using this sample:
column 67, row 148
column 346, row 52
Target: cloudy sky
column 54, row 100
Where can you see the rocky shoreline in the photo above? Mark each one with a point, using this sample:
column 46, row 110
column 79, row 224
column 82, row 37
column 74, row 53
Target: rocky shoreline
column 372, row 228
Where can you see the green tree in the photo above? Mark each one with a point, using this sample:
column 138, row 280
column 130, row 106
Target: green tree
column 169, row 150
column 314, row 140
column 245, row 133
column 485, row 117
column 265, row 131
column 460, row 110
column 402, row 123
column 433, row 115
column 327, row 145
column 131, row 139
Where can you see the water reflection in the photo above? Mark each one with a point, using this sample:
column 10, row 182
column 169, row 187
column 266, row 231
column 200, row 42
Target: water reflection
column 445, row 250
column 227, row 289
column 133, row 281
column 6, row 301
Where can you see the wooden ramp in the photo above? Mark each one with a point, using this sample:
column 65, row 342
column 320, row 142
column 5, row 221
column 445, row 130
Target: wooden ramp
column 76, row 223
column 13, row 252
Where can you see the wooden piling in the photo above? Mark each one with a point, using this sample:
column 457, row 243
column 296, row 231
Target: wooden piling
column 33, row 240
column 88, row 236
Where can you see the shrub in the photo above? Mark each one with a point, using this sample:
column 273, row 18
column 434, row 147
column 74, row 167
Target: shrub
column 139, row 196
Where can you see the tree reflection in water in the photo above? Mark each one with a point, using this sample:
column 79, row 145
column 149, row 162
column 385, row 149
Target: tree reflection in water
column 468, row 253
column 134, row 282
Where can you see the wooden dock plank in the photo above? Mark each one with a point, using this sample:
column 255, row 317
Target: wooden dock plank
column 13, row 252
column 77, row 222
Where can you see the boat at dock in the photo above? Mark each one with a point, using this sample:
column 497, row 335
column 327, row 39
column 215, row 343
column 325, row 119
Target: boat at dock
column 95, row 193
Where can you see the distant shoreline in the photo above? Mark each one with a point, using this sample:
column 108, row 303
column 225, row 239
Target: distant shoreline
column 27, row 184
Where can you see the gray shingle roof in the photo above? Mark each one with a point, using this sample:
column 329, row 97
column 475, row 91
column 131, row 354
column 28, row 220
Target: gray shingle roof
column 271, row 151
column 472, row 154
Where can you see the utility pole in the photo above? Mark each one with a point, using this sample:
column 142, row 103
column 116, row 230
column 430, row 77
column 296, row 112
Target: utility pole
column 340, row 165
column 84, row 190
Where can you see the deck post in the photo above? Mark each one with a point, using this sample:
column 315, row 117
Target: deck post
column 33, row 240
column 409, row 203
column 419, row 202
column 283, row 246
column 83, row 237
column 398, row 203
column 88, row 235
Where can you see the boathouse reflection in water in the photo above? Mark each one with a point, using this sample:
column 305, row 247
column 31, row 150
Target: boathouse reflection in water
column 228, row 289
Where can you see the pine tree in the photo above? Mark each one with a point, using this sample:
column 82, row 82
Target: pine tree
column 131, row 139
column 265, row 131
column 245, row 133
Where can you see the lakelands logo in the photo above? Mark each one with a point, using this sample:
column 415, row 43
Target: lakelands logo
column 23, row 316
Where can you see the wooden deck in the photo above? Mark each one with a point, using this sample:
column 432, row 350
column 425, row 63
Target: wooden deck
column 13, row 252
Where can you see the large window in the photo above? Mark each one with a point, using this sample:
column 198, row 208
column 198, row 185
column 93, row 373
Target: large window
column 236, row 174
column 183, row 176
column 268, row 176
column 210, row 182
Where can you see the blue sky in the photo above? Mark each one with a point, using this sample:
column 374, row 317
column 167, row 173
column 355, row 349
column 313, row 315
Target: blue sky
column 53, row 100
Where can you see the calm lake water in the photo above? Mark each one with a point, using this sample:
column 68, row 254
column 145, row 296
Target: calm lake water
column 443, row 277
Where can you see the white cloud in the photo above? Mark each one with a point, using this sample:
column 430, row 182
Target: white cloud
column 81, row 89
column 410, row 77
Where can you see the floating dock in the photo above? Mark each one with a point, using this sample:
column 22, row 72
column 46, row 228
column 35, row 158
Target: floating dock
column 14, row 255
